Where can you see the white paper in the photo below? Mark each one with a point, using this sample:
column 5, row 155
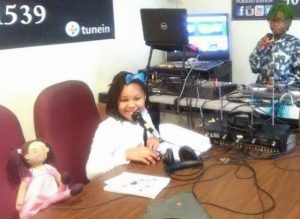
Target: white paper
column 137, row 184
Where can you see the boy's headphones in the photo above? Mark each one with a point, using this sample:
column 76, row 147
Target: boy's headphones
column 188, row 159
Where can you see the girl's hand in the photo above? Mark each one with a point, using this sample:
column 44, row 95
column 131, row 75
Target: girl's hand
column 142, row 154
column 152, row 143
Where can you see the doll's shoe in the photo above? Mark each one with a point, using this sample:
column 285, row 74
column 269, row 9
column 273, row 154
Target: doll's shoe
column 66, row 178
column 76, row 189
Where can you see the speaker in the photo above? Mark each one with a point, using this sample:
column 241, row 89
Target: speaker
column 188, row 159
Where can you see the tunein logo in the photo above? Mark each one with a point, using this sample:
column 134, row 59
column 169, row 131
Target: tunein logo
column 72, row 28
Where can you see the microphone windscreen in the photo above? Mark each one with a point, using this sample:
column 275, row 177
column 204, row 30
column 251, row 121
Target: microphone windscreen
column 137, row 117
column 269, row 36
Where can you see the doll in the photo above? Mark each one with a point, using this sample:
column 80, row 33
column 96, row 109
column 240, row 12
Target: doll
column 41, row 184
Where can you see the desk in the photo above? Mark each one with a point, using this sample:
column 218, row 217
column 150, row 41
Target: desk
column 229, row 188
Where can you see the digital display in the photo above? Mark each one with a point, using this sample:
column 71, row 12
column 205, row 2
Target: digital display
column 208, row 32
column 41, row 22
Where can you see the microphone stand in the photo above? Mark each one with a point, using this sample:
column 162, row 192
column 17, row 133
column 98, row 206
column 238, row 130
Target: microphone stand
column 273, row 100
column 145, row 137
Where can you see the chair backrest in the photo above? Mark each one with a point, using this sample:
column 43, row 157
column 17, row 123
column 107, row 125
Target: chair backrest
column 66, row 117
column 11, row 138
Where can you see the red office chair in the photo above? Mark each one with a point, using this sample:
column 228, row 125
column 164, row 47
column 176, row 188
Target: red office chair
column 11, row 138
column 66, row 117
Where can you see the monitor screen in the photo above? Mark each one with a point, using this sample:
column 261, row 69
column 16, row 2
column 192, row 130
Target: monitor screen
column 208, row 32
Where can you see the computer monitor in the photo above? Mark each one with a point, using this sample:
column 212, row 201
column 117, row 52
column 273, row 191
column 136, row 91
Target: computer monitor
column 165, row 28
column 208, row 32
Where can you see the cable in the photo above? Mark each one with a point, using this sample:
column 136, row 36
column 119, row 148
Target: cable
column 192, row 176
column 291, row 97
column 239, row 162
column 88, row 206
column 199, row 172
column 277, row 161
column 185, row 80
column 259, row 189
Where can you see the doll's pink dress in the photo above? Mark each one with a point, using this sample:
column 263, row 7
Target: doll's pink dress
column 41, row 187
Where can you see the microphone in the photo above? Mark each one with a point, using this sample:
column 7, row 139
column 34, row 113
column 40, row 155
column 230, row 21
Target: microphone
column 137, row 117
column 269, row 36
column 266, row 40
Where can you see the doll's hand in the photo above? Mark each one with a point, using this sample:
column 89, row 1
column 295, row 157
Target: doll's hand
column 142, row 154
column 19, row 206
column 21, row 195
column 152, row 143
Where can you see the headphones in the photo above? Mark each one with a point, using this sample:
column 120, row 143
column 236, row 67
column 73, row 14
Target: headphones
column 188, row 159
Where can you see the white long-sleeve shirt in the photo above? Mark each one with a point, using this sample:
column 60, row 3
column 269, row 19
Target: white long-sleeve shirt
column 111, row 140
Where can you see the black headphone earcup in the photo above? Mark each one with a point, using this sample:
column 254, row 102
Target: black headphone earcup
column 168, row 157
column 188, row 158
column 186, row 153
column 183, row 165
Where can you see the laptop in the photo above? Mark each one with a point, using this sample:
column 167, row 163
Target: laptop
column 165, row 28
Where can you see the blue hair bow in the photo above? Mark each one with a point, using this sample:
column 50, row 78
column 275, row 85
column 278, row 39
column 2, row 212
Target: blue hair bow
column 140, row 76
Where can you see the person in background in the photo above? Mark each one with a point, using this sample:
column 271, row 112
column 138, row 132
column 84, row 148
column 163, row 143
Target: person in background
column 277, row 54
column 119, row 139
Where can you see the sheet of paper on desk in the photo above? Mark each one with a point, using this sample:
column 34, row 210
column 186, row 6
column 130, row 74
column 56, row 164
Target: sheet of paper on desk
column 137, row 184
column 175, row 136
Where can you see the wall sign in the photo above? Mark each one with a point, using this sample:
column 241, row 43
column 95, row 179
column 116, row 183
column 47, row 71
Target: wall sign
column 39, row 22
column 258, row 9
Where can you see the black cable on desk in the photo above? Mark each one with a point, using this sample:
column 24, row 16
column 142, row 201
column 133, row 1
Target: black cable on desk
column 184, row 179
column 278, row 160
column 259, row 189
column 239, row 161
column 67, row 208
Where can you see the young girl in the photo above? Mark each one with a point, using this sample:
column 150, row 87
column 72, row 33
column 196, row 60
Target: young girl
column 41, row 184
column 119, row 139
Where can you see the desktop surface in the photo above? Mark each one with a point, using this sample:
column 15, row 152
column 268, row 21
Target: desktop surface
column 224, row 183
